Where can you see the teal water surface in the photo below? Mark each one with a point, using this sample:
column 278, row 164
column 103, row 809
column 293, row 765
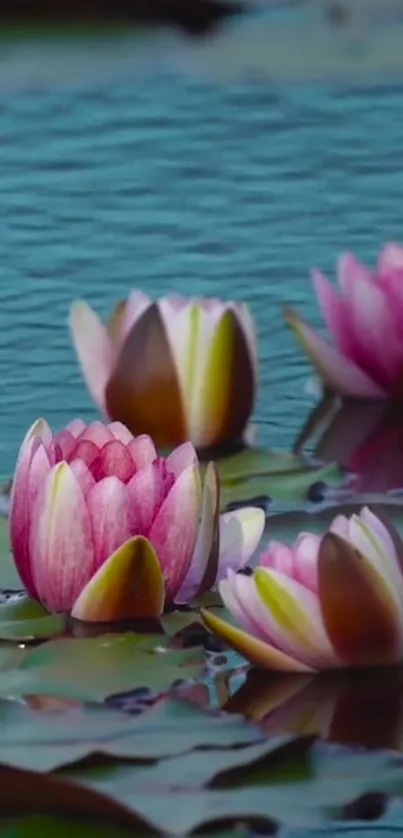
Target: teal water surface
column 169, row 182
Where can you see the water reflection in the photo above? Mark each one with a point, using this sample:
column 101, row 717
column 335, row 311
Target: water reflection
column 363, row 708
column 363, row 437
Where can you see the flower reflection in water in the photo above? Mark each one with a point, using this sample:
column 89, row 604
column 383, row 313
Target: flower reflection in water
column 354, row 708
column 364, row 438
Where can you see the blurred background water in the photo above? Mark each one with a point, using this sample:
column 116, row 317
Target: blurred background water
column 232, row 188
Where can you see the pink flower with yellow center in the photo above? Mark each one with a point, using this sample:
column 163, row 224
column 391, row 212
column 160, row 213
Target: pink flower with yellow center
column 104, row 529
column 321, row 603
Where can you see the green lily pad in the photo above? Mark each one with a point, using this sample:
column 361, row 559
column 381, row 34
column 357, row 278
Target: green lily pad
column 9, row 577
column 42, row 826
column 26, row 619
column 251, row 462
column 44, row 741
column 120, row 793
column 324, row 784
column 179, row 621
column 191, row 770
column 47, row 826
column 93, row 668
column 289, row 486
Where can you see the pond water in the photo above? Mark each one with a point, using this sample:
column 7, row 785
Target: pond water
column 235, row 190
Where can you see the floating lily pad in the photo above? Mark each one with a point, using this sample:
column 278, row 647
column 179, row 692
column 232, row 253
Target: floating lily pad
column 251, row 462
column 43, row 826
column 45, row 741
column 93, row 668
column 333, row 783
column 26, row 619
column 9, row 577
column 192, row 770
column 288, row 484
column 277, row 781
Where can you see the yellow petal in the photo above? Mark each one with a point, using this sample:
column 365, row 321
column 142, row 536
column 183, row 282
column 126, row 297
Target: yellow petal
column 128, row 585
column 254, row 650
column 226, row 394
column 358, row 612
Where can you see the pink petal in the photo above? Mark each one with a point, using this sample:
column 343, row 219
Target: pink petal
column 279, row 556
column 349, row 270
column 338, row 373
column 94, row 349
column 32, row 468
column 86, row 451
column 146, row 492
column 340, row 526
column 292, row 617
column 76, row 427
column 382, row 534
column 66, row 442
column 62, row 555
column 175, row 528
column 108, row 506
column 334, row 313
column 240, row 534
column 83, row 476
column 114, row 459
column 376, row 346
column 97, row 433
column 229, row 592
column 261, row 618
column 181, row 458
column 390, row 258
column 136, row 304
column 306, row 550
column 120, row 432
column 142, row 450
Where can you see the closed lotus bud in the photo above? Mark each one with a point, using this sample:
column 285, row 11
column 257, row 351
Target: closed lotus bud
column 104, row 529
column 178, row 369
column 321, row 603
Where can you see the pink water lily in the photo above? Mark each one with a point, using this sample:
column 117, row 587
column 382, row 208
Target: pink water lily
column 364, row 320
column 102, row 527
column 178, row 369
column 323, row 602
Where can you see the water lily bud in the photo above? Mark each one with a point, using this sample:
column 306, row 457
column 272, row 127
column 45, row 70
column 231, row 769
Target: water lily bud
column 321, row 603
column 104, row 529
column 178, row 369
